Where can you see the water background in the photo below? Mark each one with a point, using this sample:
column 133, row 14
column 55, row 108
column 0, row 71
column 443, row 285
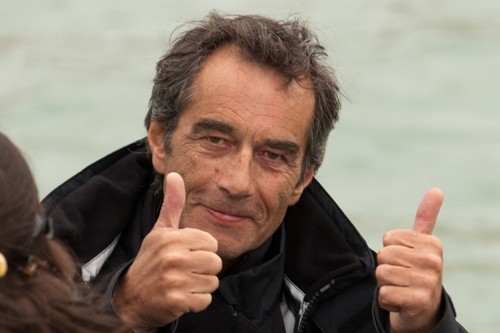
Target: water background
column 421, row 108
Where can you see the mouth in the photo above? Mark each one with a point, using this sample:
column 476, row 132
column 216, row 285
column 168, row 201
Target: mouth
column 224, row 216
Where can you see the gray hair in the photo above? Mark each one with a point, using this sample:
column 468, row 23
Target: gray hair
column 289, row 47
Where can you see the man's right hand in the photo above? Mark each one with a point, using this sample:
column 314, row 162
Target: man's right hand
column 174, row 272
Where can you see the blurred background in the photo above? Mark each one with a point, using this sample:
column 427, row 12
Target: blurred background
column 421, row 107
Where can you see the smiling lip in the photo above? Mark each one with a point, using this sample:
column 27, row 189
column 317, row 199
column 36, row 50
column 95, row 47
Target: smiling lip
column 221, row 216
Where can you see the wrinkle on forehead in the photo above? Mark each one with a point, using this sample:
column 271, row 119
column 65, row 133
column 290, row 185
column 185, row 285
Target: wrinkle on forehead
column 227, row 64
column 229, row 85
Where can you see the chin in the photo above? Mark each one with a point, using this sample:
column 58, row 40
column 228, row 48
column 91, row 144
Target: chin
column 228, row 254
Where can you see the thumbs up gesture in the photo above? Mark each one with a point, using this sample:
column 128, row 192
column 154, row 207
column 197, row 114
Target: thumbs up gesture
column 409, row 271
column 174, row 271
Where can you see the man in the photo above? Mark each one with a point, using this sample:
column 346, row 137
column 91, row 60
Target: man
column 219, row 225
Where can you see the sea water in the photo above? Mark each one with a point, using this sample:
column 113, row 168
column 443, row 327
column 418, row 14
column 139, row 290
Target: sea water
column 420, row 84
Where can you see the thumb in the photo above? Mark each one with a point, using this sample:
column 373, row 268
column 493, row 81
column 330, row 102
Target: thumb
column 428, row 211
column 173, row 201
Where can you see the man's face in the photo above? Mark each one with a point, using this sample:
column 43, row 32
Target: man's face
column 239, row 147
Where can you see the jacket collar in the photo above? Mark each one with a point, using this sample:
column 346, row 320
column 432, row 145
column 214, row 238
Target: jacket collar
column 255, row 288
column 321, row 242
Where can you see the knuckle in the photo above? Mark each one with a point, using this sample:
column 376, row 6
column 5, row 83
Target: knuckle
column 215, row 244
column 202, row 303
column 380, row 272
column 177, row 302
column 436, row 243
column 433, row 262
column 394, row 236
column 172, row 282
column 382, row 254
column 437, row 263
column 172, row 259
column 383, row 296
column 216, row 263
column 421, row 299
column 387, row 237
column 432, row 280
column 213, row 283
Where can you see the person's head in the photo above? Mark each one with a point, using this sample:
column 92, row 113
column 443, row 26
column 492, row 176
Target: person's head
column 242, row 107
column 38, row 292
column 288, row 47
column 23, row 227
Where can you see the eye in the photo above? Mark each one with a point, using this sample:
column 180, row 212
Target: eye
column 215, row 140
column 273, row 156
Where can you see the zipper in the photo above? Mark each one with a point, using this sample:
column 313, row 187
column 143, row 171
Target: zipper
column 306, row 308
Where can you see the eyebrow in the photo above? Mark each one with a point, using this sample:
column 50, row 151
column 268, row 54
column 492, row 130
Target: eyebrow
column 289, row 147
column 205, row 124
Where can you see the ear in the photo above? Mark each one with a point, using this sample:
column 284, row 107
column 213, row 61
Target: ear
column 156, row 135
column 297, row 192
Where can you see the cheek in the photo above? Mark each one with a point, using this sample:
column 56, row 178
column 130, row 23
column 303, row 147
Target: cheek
column 277, row 187
column 276, row 212
column 198, row 176
column 276, row 199
column 183, row 160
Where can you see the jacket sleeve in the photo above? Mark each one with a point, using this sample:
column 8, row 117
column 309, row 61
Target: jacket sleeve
column 107, row 285
column 109, row 288
column 447, row 323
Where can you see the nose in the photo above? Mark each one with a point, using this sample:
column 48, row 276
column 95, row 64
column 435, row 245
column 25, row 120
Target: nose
column 237, row 175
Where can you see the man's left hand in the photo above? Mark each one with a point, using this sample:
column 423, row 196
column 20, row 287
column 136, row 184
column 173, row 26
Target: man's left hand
column 409, row 271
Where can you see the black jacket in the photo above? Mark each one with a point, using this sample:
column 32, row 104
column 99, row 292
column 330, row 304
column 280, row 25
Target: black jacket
column 316, row 250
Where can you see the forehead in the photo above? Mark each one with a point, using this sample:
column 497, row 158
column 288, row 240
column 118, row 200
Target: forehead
column 230, row 87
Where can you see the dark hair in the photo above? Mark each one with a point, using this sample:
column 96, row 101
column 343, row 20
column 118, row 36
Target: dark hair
column 288, row 47
column 38, row 293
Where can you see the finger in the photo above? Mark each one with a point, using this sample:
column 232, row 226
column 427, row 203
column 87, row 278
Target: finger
column 393, row 298
column 404, row 300
column 199, row 301
column 204, row 262
column 205, row 284
column 397, row 255
column 173, row 201
column 398, row 276
column 389, row 275
column 428, row 211
column 182, row 302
